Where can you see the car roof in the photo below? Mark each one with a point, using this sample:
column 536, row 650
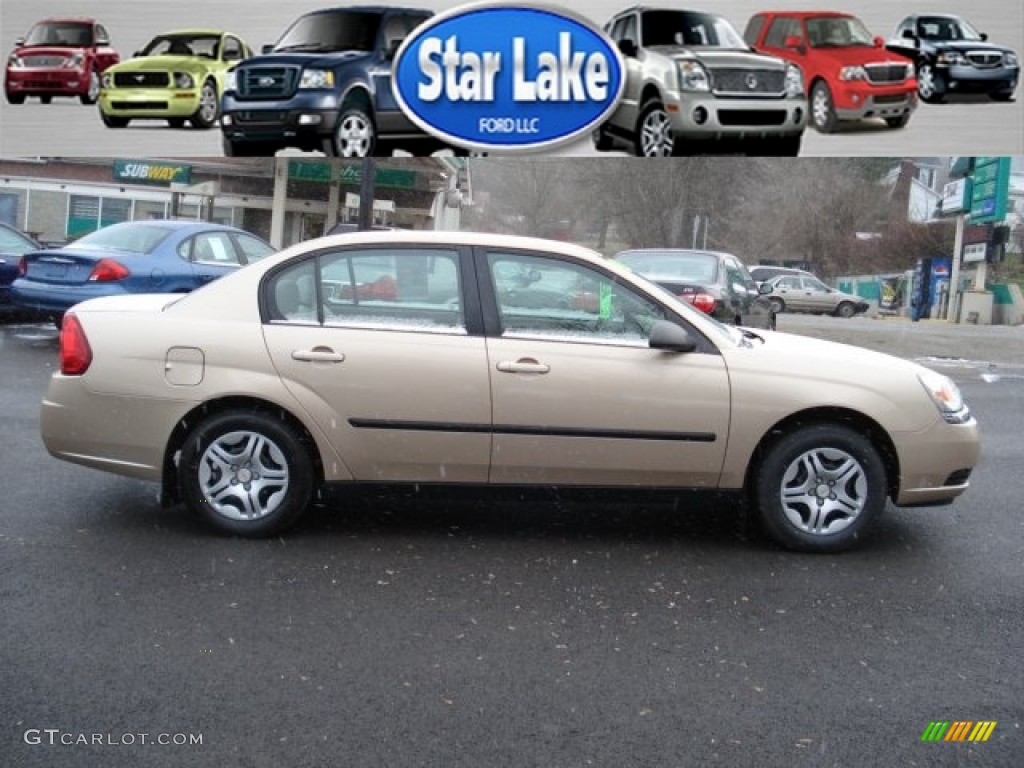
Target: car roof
column 700, row 251
column 369, row 9
column 62, row 19
column 809, row 14
column 177, row 224
column 197, row 31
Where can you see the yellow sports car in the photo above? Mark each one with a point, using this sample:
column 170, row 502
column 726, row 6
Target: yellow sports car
column 178, row 76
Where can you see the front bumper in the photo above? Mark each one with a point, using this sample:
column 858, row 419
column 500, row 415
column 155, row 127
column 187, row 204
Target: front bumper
column 861, row 100
column 303, row 120
column 707, row 116
column 43, row 82
column 960, row 78
column 148, row 102
column 935, row 463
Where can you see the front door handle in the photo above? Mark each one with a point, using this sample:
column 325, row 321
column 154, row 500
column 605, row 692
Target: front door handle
column 318, row 355
column 524, row 365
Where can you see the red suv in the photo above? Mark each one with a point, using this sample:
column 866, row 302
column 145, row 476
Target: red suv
column 59, row 57
column 849, row 74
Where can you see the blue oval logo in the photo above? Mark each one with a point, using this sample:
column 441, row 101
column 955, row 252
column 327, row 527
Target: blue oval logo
column 508, row 76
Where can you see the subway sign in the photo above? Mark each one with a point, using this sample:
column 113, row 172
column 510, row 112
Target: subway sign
column 511, row 76
column 146, row 172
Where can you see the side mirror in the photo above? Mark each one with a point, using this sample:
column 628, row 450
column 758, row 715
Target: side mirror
column 879, row 42
column 794, row 43
column 764, row 288
column 19, row 41
column 670, row 338
column 984, row 36
column 267, row 48
column 627, row 47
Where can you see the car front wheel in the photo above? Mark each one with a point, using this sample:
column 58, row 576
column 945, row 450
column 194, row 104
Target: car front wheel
column 355, row 134
column 846, row 309
column 90, row 96
column 112, row 121
column 930, row 86
column 820, row 488
column 823, row 112
column 654, row 136
column 247, row 473
column 778, row 306
column 209, row 107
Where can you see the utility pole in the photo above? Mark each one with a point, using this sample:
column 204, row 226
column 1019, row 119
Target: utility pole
column 366, row 193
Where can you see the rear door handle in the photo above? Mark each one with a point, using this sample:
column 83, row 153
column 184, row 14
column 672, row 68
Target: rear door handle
column 318, row 355
column 526, row 365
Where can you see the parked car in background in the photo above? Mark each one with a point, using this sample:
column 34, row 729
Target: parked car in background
column 806, row 293
column 953, row 57
column 325, row 85
column 714, row 282
column 763, row 272
column 178, row 76
column 132, row 257
column 59, row 57
column 13, row 245
column 249, row 398
column 693, row 85
column 849, row 74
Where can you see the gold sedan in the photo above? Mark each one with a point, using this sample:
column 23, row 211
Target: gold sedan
column 448, row 358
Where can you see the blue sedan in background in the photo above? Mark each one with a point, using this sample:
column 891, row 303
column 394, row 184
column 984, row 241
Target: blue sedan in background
column 132, row 257
column 13, row 245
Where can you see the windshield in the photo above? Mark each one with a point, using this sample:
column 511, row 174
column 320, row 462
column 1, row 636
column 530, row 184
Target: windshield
column 701, row 267
column 67, row 33
column 838, row 32
column 133, row 238
column 945, row 28
column 183, row 45
column 689, row 28
column 335, row 31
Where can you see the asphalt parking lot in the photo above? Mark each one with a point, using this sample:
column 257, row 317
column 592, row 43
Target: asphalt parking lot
column 506, row 631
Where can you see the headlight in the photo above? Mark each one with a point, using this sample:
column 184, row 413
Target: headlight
column 74, row 62
column 693, row 76
column 231, row 81
column 14, row 62
column 853, row 73
column 1011, row 59
column 951, row 57
column 183, row 80
column 317, row 78
column 946, row 396
column 107, row 80
column 794, row 80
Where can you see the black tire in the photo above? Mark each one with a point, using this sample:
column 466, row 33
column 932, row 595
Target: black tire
column 931, row 87
column 846, row 309
column 176, row 122
column 823, row 108
column 248, row 148
column 45, row 99
column 90, row 96
column 15, row 98
column 113, row 121
column 778, row 305
column 781, row 146
column 602, row 141
column 247, row 473
column 842, row 502
column 206, row 114
column 355, row 134
column 654, row 136
column 898, row 122
column 1001, row 96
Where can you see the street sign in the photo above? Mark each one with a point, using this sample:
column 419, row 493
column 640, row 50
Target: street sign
column 956, row 196
column 990, row 189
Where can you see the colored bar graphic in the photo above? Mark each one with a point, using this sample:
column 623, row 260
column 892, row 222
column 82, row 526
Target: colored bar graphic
column 958, row 730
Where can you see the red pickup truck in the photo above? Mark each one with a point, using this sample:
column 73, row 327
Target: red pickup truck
column 849, row 74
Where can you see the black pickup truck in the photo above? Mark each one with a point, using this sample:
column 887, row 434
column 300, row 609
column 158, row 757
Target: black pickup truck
column 325, row 85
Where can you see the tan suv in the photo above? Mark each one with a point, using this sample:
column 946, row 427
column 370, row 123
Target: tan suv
column 488, row 360
column 693, row 84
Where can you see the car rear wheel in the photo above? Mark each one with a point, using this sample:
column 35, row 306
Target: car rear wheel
column 247, row 473
column 112, row 121
column 846, row 309
column 206, row 113
column 45, row 99
column 90, row 96
column 820, row 488
column 778, row 305
column 654, row 136
column 823, row 112
column 930, row 85
column 355, row 135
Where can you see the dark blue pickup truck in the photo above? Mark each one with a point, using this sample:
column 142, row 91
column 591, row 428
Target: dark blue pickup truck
column 325, row 85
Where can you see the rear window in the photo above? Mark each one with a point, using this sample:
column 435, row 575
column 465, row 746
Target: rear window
column 137, row 238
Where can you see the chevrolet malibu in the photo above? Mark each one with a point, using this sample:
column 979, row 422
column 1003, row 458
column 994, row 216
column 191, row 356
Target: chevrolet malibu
column 485, row 360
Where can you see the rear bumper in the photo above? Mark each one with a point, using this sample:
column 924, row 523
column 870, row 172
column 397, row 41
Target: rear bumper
column 57, row 299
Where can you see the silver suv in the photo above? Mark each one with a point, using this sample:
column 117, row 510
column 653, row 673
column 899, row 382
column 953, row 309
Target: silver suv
column 693, row 82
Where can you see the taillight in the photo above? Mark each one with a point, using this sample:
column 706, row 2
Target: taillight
column 22, row 266
column 75, row 352
column 703, row 301
column 108, row 270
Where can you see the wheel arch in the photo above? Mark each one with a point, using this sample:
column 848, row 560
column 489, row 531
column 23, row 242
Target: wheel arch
column 359, row 93
column 170, row 493
column 831, row 415
column 650, row 92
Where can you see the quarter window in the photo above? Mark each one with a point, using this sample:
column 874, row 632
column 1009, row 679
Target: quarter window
column 544, row 298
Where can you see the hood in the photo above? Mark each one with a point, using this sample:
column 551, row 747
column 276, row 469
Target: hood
column 304, row 60
column 49, row 50
column 162, row 63
column 856, row 55
column 722, row 57
column 965, row 46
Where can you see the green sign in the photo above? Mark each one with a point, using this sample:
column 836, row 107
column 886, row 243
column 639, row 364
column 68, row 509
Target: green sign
column 306, row 170
column 146, row 172
column 320, row 170
column 990, row 189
